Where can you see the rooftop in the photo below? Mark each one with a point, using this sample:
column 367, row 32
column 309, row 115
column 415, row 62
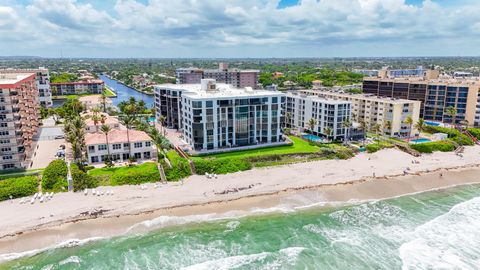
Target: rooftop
column 116, row 136
column 221, row 90
column 317, row 98
column 369, row 97
column 85, row 81
column 10, row 79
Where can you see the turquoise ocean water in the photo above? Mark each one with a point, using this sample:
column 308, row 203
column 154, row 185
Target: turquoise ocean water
column 432, row 230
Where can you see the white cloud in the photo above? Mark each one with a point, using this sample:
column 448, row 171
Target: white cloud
column 203, row 25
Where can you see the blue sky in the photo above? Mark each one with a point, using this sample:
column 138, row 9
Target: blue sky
column 239, row 28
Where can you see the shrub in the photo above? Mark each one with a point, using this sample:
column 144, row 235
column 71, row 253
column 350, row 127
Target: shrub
column 221, row 166
column 81, row 180
column 55, row 176
column 18, row 187
column 453, row 134
column 372, row 148
column 475, row 132
column 135, row 175
column 180, row 167
column 430, row 147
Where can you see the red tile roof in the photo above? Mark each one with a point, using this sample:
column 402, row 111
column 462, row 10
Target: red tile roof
column 116, row 136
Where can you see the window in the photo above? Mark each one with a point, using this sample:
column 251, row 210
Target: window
column 125, row 145
column 7, row 157
column 3, row 125
column 146, row 155
column 117, row 146
column 147, row 144
column 102, row 147
column 8, row 166
column 94, row 159
column 138, row 155
column 138, row 145
column 2, row 133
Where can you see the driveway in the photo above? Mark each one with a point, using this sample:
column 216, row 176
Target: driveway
column 47, row 147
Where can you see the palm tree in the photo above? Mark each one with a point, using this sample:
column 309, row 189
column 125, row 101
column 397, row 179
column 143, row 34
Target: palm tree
column 376, row 128
column 103, row 101
column 328, row 131
column 162, row 123
column 347, row 125
column 409, row 121
column 311, row 124
column 452, row 113
column 288, row 117
column 363, row 126
column 464, row 124
column 387, row 125
column 74, row 130
column 420, row 125
column 128, row 121
column 105, row 130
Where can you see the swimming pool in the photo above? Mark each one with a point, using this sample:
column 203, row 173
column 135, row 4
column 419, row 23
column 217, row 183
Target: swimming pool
column 312, row 138
column 435, row 124
column 420, row 140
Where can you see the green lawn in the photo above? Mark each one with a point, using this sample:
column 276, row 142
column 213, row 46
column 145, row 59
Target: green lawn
column 148, row 166
column 109, row 93
column 298, row 146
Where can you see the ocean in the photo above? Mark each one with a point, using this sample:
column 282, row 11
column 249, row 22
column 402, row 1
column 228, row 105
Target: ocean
column 432, row 230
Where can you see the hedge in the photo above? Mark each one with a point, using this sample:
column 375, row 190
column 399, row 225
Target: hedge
column 81, row 180
column 221, row 166
column 18, row 187
column 180, row 168
column 372, row 148
column 475, row 132
column 135, row 175
column 453, row 134
column 55, row 176
column 430, row 147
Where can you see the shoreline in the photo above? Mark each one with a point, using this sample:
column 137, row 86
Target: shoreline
column 132, row 207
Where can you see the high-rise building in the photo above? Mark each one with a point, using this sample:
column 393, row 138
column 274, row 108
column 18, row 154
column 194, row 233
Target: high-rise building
column 216, row 116
column 435, row 94
column 42, row 77
column 235, row 77
column 329, row 115
column 19, row 119
column 388, row 113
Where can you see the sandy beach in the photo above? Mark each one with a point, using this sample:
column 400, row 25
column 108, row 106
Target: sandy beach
column 367, row 176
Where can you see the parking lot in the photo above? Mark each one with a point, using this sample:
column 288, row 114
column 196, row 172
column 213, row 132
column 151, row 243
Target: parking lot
column 47, row 147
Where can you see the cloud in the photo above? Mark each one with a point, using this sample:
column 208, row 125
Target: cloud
column 203, row 26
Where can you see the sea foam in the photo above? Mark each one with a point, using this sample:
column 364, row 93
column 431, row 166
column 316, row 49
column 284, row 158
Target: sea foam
column 447, row 241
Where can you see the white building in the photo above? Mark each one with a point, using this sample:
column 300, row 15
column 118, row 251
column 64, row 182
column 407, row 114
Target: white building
column 42, row 77
column 219, row 116
column 388, row 113
column 141, row 146
column 330, row 116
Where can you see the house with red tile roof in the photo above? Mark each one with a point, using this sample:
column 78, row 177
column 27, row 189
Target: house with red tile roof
column 140, row 146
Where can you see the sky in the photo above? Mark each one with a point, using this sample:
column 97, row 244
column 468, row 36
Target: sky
column 239, row 28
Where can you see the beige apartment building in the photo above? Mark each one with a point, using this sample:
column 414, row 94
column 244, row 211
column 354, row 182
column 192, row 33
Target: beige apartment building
column 19, row 119
column 436, row 94
column 236, row 77
column 388, row 113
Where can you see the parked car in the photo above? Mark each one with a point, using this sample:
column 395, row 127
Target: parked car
column 62, row 147
column 58, row 137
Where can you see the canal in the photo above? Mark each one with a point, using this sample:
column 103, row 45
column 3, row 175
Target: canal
column 124, row 92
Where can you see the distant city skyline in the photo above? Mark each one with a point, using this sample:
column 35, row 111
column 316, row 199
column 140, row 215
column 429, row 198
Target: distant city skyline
column 247, row 28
